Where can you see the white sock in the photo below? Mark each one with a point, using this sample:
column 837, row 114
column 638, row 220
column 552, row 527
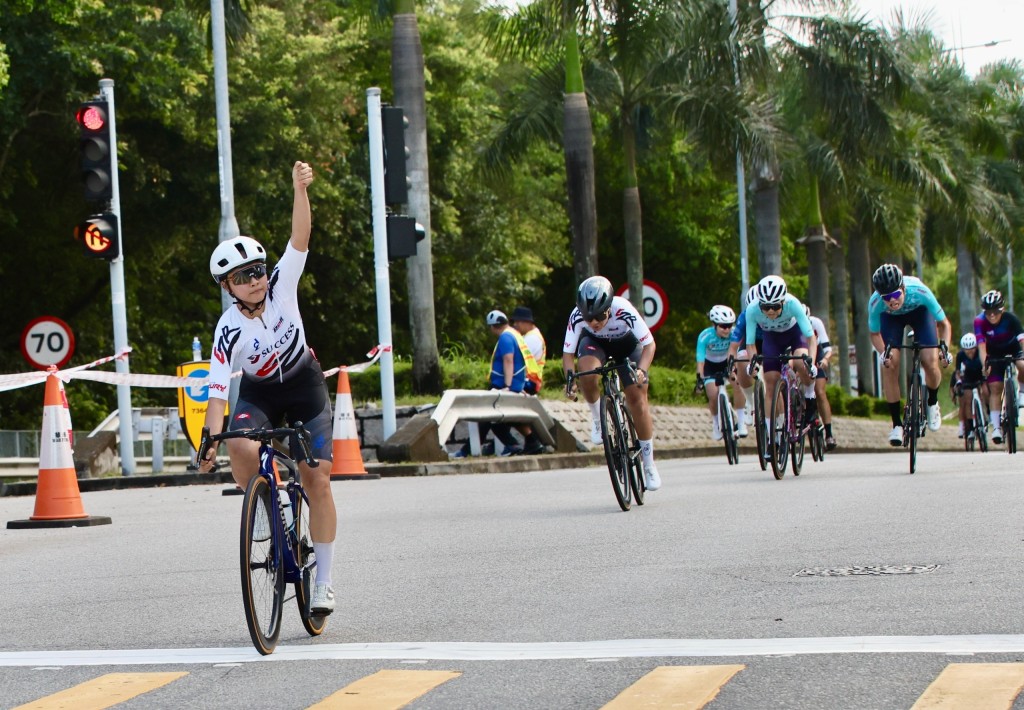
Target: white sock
column 748, row 396
column 647, row 448
column 595, row 410
column 809, row 391
column 994, row 416
column 324, row 552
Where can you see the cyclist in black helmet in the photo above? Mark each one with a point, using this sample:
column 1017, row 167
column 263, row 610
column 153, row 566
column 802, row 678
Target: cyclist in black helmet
column 604, row 325
column 900, row 301
column 999, row 334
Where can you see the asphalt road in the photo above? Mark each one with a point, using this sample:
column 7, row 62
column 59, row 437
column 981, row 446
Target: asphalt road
column 855, row 585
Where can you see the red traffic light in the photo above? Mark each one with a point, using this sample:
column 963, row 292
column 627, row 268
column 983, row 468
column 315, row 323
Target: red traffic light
column 92, row 117
column 99, row 236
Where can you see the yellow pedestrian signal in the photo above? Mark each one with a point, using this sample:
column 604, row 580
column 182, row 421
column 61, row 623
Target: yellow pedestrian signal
column 99, row 236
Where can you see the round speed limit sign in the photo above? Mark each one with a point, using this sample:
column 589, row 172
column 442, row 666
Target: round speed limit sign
column 47, row 341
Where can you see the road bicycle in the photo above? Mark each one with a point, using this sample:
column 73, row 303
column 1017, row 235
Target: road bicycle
column 727, row 418
column 275, row 544
column 621, row 446
column 788, row 430
column 760, row 419
column 1011, row 399
column 914, row 426
column 978, row 434
column 816, row 438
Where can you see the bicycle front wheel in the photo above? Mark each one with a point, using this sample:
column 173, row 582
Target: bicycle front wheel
column 760, row 431
column 303, row 545
column 261, row 566
column 980, row 431
column 778, row 436
column 615, row 452
column 725, row 423
column 1010, row 414
column 912, row 428
column 636, row 465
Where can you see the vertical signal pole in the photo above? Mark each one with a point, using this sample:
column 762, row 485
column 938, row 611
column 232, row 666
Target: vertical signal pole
column 117, row 297
column 380, row 259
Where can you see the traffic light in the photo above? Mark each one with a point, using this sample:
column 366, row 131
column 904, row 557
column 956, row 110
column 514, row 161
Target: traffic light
column 404, row 233
column 99, row 236
column 93, row 118
column 396, row 182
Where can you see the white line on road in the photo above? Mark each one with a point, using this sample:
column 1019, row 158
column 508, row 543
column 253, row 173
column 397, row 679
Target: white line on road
column 480, row 651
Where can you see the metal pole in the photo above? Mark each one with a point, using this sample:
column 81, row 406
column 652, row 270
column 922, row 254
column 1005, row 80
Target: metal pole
column 918, row 252
column 228, row 223
column 117, row 297
column 380, row 259
column 741, row 179
column 1009, row 278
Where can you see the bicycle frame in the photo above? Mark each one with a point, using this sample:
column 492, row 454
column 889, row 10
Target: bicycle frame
column 914, row 411
column 1011, row 399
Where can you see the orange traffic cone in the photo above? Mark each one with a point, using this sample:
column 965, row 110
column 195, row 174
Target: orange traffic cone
column 348, row 461
column 58, row 500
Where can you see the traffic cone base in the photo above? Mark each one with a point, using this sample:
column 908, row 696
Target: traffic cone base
column 86, row 522
column 347, row 464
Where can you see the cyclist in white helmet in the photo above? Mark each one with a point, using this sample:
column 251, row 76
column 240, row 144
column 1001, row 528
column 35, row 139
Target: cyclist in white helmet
column 262, row 333
column 713, row 346
column 969, row 374
column 603, row 325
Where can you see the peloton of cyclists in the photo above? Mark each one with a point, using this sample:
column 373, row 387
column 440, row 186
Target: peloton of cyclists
column 999, row 334
column 603, row 325
column 967, row 376
column 713, row 346
column 898, row 302
column 820, row 359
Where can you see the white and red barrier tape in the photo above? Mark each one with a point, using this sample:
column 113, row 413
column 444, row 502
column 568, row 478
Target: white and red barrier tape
column 25, row 379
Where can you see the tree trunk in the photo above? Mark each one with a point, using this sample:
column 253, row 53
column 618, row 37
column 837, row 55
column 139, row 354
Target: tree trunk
column 967, row 293
column 410, row 93
column 841, row 297
column 817, row 272
column 766, row 220
column 578, row 144
column 860, row 292
column 631, row 217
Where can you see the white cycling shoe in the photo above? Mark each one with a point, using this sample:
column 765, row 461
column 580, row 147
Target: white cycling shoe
column 896, row 436
column 596, row 437
column 934, row 416
column 652, row 481
column 323, row 599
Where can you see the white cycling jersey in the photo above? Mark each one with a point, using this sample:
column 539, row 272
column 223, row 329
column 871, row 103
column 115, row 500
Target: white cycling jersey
column 271, row 346
column 624, row 319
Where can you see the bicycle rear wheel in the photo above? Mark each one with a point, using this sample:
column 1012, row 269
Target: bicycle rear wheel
column 615, row 453
column 636, row 464
column 1010, row 414
column 912, row 428
column 778, row 436
column 302, row 543
column 797, row 408
column 760, row 430
column 980, row 430
column 261, row 566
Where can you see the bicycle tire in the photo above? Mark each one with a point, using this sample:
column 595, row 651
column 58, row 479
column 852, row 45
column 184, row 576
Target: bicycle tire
column 980, row 430
column 1010, row 415
column 778, row 437
column 725, row 425
column 914, row 411
column 734, row 440
column 262, row 567
column 615, row 453
column 795, row 420
column 299, row 538
column 636, row 464
column 760, row 429
column 818, row 442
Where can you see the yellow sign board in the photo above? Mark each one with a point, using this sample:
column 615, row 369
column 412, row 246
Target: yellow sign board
column 192, row 401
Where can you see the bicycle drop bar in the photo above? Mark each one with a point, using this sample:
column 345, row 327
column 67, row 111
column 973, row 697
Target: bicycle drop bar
column 264, row 436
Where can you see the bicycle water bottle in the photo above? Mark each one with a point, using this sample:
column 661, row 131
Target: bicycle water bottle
column 286, row 509
column 197, row 350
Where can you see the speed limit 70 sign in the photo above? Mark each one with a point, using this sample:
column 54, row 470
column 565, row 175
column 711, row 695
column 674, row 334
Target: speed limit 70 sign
column 47, row 341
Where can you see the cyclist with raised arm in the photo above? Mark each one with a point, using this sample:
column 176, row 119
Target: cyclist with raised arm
column 602, row 326
column 999, row 334
column 898, row 302
column 967, row 376
column 780, row 315
column 281, row 377
column 820, row 399
column 713, row 346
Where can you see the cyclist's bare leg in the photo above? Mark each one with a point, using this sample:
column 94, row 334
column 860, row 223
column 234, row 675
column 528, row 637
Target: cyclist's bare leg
column 995, row 396
column 323, row 515
column 1019, row 364
column 966, row 400
column 589, row 384
column 891, row 377
column 930, row 364
column 770, row 378
column 245, row 460
column 801, row 367
column 711, row 388
column 824, row 408
column 636, row 400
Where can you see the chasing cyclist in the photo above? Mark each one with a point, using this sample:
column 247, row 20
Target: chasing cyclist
column 281, row 378
column 738, row 349
column 713, row 345
column 820, row 359
column 966, row 377
column 899, row 302
column 999, row 334
column 604, row 325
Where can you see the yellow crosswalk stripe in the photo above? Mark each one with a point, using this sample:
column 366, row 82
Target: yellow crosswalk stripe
column 684, row 687
column 973, row 686
column 103, row 692
column 385, row 690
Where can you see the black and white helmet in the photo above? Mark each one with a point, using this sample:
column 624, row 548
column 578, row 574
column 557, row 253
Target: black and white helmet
column 722, row 315
column 771, row 289
column 750, row 296
column 594, row 297
column 497, row 317
column 234, row 253
column 992, row 300
column 888, row 278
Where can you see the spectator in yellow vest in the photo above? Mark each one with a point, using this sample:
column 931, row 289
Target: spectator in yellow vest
column 522, row 321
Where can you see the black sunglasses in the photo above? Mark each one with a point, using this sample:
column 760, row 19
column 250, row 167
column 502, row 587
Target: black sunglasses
column 244, row 276
column 765, row 307
column 599, row 319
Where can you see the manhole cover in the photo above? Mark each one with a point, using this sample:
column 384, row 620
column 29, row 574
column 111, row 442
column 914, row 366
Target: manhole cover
column 865, row 570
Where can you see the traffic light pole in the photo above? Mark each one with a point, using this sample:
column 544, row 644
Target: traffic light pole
column 380, row 259
column 117, row 298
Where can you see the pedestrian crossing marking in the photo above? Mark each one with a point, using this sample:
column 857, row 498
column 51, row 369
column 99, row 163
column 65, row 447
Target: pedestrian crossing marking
column 973, row 686
column 385, row 690
column 685, row 687
column 103, row 692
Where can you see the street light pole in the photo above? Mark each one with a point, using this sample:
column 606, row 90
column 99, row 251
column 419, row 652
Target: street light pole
column 741, row 180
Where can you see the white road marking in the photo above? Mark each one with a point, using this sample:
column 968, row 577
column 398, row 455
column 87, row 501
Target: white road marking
column 482, row 651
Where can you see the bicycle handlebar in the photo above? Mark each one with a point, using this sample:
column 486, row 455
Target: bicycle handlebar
column 264, row 436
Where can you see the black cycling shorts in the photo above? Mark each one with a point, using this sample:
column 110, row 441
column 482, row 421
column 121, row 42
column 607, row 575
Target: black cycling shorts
column 621, row 349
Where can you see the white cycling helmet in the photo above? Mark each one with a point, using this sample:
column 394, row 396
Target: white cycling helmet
column 750, row 296
column 968, row 342
column 496, row 318
column 807, row 310
column 722, row 315
column 771, row 289
column 233, row 253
